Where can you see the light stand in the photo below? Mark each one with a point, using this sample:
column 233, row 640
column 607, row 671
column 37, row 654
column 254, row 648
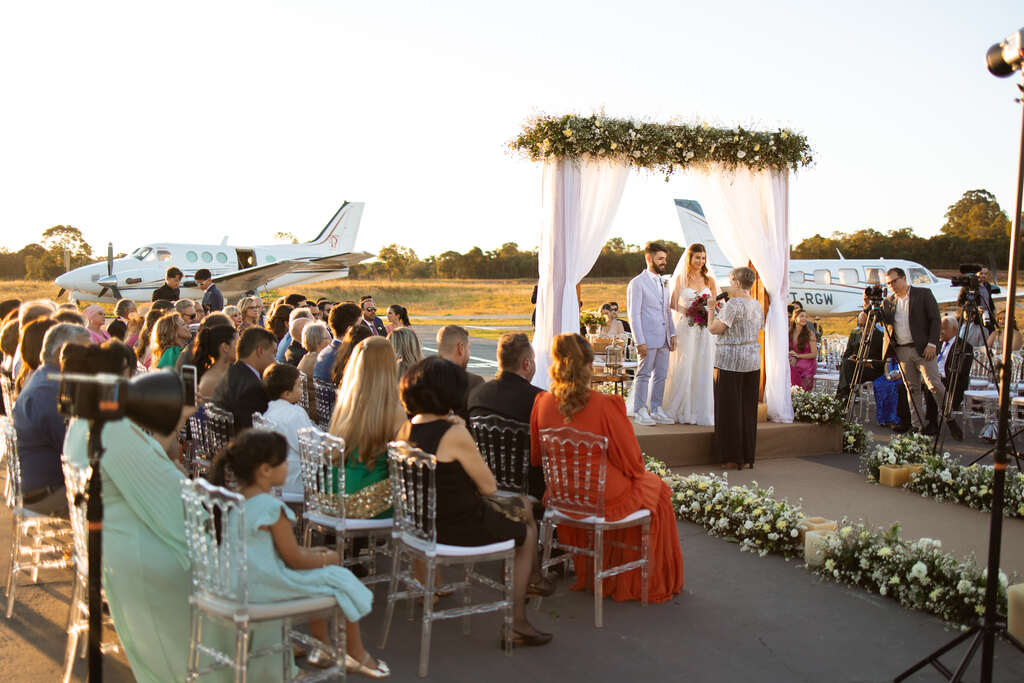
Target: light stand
column 985, row 633
column 94, row 518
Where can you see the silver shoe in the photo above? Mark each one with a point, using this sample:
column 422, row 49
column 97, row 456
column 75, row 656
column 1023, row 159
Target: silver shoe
column 361, row 668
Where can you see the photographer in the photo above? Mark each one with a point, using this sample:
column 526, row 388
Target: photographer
column 912, row 316
column 874, row 363
column 985, row 304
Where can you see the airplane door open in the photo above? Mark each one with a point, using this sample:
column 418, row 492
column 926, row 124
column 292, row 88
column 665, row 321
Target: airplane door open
column 246, row 258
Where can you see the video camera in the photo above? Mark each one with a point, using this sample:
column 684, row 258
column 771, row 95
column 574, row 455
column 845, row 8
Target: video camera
column 153, row 400
column 874, row 294
column 968, row 277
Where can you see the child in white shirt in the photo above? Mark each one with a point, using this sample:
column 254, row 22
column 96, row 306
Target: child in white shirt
column 283, row 384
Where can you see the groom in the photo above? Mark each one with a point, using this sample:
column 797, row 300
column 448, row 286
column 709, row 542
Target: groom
column 653, row 332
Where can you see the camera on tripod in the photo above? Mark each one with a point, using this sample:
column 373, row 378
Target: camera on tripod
column 968, row 278
column 874, row 294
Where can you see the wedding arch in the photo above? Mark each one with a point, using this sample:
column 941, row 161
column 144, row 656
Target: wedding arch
column 742, row 181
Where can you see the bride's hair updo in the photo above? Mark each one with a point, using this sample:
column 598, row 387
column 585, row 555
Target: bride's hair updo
column 695, row 248
column 570, row 373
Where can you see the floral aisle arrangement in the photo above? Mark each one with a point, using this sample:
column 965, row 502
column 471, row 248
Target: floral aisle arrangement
column 917, row 574
column 663, row 148
column 903, row 449
column 697, row 313
column 812, row 406
column 945, row 479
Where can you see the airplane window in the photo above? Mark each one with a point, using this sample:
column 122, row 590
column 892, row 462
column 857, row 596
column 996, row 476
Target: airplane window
column 163, row 255
column 150, row 255
column 919, row 276
column 222, row 257
column 141, row 252
column 207, row 257
column 848, row 276
column 269, row 259
column 873, row 276
column 191, row 256
column 796, row 276
column 823, row 276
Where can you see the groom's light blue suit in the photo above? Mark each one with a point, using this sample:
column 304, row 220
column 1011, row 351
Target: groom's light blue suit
column 651, row 322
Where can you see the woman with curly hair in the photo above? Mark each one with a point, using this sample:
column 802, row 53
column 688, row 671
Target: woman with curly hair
column 143, row 346
column 170, row 334
column 629, row 487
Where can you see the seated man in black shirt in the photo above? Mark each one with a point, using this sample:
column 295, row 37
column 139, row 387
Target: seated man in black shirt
column 124, row 311
column 170, row 290
column 873, row 369
column 510, row 394
column 242, row 392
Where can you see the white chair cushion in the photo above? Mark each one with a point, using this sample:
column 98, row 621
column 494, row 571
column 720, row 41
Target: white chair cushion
column 458, row 550
column 559, row 516
column 978, row 383
column 266, row 610
column 349, row 524
column 982, row 395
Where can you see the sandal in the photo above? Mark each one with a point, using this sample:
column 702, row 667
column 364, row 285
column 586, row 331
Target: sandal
column 319, row 659
column 381, row 670
column 520, row 639
column 541, row 589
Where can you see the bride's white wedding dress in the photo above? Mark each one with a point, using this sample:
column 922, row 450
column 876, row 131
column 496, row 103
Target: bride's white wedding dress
column 689, row 388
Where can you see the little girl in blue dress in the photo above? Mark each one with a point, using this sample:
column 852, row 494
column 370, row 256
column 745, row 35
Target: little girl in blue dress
column 280, row 569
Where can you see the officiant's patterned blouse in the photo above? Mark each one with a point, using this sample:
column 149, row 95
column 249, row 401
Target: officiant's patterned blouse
column 738, row 349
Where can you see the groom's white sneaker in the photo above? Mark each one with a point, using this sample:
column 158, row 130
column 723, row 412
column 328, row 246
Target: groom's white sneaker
column 642, row 417
column 661, row 418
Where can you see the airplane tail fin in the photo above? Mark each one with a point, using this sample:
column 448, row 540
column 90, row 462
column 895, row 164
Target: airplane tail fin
column 340, row 232
column 696, row 229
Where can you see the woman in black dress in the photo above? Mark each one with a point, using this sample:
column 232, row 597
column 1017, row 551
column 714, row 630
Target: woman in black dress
column 467, row 515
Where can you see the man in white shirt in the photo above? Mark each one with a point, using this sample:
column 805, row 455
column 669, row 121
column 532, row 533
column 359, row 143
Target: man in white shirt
column 654, row 334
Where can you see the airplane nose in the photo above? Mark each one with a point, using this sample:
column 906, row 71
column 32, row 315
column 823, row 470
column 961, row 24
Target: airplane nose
column 63, row 280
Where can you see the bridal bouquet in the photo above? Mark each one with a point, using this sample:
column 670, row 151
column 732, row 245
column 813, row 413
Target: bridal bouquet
column 697, row 313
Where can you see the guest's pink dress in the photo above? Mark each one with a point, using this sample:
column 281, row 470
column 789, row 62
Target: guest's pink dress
column 802, row 373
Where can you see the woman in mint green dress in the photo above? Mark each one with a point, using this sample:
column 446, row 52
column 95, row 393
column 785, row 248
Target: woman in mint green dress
column 279, row 569
column 367, row 415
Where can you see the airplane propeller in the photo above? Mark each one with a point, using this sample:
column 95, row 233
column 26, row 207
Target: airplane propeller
column 110, row 281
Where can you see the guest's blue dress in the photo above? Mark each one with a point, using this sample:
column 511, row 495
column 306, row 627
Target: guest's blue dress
column 887, row 395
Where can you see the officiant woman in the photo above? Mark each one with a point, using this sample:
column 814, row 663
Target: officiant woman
column 737, row 372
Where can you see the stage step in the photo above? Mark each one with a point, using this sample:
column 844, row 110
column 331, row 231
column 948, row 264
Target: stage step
column 684, row 445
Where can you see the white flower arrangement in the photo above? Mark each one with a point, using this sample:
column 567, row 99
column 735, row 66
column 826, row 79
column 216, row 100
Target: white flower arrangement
column 902, row 449
column 809, row 406
column 945, row 479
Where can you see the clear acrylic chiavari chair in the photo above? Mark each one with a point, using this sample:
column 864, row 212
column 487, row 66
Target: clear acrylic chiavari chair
column 505, row 445
column 326, row 394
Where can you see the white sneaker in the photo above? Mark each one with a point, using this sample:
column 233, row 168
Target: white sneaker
column 642, row 417
column 661, row 418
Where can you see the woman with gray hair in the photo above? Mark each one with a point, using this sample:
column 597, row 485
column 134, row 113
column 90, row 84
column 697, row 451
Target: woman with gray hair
column 737, row 372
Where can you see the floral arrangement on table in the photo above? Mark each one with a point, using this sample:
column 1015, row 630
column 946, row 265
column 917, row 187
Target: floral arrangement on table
column 663, row 148
column 697, row 312
column 591, row 320
column 902, row 449
column 916, row 574
column 945, row 479
column 819, row 408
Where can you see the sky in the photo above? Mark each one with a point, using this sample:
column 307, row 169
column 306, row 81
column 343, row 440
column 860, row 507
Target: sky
column 190, row 121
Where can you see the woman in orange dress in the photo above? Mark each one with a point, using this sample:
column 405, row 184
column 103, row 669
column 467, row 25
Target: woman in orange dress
column 629, row 487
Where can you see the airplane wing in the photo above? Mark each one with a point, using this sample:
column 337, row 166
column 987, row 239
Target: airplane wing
column 251, row 279
column 337, row 261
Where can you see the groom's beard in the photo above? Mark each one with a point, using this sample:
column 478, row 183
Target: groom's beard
column 658, row 270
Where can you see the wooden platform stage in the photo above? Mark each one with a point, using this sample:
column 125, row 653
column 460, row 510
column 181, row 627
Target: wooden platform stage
column 682, row 445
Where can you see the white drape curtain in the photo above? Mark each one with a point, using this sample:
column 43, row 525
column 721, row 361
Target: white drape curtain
column 748, row 212
column 580, row 198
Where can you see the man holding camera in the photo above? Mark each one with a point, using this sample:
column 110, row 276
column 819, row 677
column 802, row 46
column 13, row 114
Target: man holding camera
column 986, row 306
column 912, row 315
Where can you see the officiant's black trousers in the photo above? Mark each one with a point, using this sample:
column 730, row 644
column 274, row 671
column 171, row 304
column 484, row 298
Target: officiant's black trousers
column 736, row 415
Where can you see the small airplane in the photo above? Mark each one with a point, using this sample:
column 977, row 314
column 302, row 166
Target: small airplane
column 823, row 286
column 236, row 270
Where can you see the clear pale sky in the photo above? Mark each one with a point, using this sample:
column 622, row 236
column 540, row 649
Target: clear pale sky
column 187, row 121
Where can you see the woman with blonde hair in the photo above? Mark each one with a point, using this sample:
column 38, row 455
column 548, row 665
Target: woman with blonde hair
column 170, row 334
column 235, row 314
column 143, row 347
column 367, row 415
column 628, row 488
column 407, row 348
column 250, row 307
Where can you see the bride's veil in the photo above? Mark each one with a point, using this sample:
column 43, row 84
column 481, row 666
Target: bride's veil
column 678, row 282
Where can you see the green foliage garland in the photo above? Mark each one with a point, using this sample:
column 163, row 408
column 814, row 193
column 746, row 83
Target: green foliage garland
column 660, row 147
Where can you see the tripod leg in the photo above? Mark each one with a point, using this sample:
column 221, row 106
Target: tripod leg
column 933, row 658
column 959, row 673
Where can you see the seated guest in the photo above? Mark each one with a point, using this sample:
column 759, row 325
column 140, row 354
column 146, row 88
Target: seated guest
column 995, row 339
column 398, row 317
column 944, row 359
column 31, row 348
column 295, row 300
column 213, row 300
column 887, row 389
column 235, row 314
column 872, row 369
column 283, row 385
column 803, row 352
column 143, row 345
column 213, row 352
column 453, row 345
column 278, row 322
column 629, row 487
column 355, row 334
column 342, row 317
column 367, row 415
column 170, row 290
column 286, row 341
column 74, row 317
column 510, row 394
column 251, row 308
column 186, row 356
column 407, row 348
column 8, row 345
column 124, row 312
column 315, row 337
column 325, row 307
column 974, row 332
column 295, row 351
column 370, row 319
column 188, row 311
column 8, row 305
column 170, row 335
column 466, row 513
column 613, row 326
column 162, row 305
column 29, row 311
column 242, row 393
column 40, row 428
column 95, row 322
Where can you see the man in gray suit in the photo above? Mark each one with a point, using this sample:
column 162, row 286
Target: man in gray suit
column 654, row 334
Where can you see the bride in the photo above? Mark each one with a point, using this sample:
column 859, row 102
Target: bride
column 689, row 389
